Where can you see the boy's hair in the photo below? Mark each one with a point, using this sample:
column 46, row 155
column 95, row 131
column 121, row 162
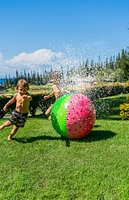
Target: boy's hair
column 22, row 83
column 55, row 76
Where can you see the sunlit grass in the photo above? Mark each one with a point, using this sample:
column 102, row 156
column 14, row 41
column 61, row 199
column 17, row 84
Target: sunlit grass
column 38, row 164
column 33, row 89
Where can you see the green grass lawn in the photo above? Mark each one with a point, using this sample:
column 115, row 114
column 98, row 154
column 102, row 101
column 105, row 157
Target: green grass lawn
column 38, row 164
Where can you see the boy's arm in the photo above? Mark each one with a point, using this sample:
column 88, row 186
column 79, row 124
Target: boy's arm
column 30, row 97
column 49, row 95
column 27, row 96
column 54, row 88
column 11, row 101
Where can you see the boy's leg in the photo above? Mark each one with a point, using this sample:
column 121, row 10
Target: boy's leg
column 5, row 124
column 48, row 112
column 14, row 130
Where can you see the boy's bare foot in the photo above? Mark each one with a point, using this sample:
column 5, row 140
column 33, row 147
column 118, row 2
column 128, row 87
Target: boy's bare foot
column 9, row 137
column 49, row 118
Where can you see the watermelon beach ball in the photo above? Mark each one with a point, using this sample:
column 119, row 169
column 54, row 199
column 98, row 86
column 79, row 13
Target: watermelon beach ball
column 73, row 116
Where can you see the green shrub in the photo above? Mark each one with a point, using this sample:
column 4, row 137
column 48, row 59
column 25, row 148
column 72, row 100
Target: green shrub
column 124, row 111
column 37, row 102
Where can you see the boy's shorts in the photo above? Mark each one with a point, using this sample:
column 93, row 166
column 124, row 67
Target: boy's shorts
column 18, row 119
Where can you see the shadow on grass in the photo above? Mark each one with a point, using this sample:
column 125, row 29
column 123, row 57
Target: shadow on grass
column 96, row 126
column 95, row 135
column 34, row 139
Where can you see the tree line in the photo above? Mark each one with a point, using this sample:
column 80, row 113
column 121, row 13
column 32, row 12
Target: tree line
column 113, row 69
column 33, row 78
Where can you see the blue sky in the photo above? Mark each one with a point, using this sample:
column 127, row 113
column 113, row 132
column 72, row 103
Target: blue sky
column 39, row 33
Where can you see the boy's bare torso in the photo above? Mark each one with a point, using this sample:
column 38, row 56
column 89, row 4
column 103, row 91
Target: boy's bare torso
column 22, row 102
column 56, row 91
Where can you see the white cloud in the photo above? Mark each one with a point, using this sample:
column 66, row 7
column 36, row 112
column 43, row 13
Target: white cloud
column 40, row 59
column 37, row 58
